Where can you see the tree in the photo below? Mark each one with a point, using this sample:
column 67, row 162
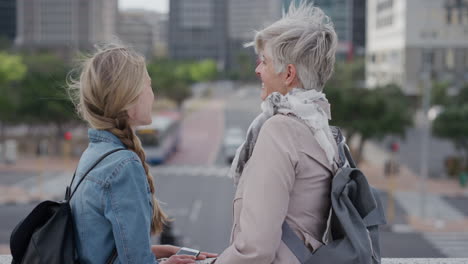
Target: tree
column 12, row 70
column 43, row 95
column 439, row 94
column 371, row 113
column 171, row 79
column 203, row 71
column 245, row 68
column 452, row 122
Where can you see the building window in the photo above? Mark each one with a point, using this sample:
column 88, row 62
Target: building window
column 197, row 14
column 450, row 59
column 456, row 11
column 395, row 57
column 385, row 21
column 384, row 5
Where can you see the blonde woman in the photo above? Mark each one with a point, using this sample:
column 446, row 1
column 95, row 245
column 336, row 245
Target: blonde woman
column 115, row 206
column 283, row 170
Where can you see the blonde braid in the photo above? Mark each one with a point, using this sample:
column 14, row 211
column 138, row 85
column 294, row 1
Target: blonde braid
column 128, row 137
column 109, row 84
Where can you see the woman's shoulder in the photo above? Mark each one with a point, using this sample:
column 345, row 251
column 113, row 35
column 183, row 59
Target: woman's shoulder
column 123, row 160
column 285, row 125
column 281, row 130
column 111, row 166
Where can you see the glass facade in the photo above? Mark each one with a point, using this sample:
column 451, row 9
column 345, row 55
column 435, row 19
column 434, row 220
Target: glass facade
column 8, row 19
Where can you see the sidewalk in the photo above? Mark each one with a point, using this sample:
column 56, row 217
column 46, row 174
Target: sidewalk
column 46, row 177
column 438, row 214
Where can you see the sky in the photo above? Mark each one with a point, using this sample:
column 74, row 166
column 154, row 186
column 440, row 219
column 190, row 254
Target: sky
column 158, row 5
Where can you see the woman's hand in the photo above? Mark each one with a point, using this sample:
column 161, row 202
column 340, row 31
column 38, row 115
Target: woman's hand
column 205, row 255
column 164, row 251
column 179, row 259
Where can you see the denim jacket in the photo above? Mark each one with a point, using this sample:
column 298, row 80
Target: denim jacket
column 112, row 207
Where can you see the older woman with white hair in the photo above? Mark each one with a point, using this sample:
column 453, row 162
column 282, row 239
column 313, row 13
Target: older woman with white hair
column 283, row 171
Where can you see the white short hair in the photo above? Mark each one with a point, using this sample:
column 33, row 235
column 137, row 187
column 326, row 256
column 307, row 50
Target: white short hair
column 304, row 37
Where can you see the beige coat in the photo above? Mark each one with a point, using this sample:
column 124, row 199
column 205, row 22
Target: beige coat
column 287, row 177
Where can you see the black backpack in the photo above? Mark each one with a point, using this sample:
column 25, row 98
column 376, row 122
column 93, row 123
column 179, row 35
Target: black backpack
column 46, row 235
column 356, row 214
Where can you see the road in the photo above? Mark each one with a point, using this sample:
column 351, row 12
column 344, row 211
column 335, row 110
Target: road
column 196, row 192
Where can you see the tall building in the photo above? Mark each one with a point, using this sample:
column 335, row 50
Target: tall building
column 348, row 17
column 136, row 30
column 144, row 29
column 404, row 35
column 65, row 24
column 198, row 30
column 244, row 17
column 161, row 35
column 358, row 36
column 8, row 19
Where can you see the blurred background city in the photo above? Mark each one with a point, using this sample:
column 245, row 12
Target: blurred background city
column 400, row 93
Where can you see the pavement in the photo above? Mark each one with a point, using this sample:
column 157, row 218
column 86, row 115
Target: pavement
column 438, row 205
column 46, row 178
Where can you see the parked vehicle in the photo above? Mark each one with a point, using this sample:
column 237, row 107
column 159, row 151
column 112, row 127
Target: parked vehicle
column 233, row 138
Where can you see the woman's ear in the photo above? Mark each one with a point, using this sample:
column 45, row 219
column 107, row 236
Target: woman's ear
column 291, row 75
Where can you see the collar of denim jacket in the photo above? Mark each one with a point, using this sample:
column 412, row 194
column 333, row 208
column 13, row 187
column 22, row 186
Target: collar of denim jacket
column 96, row 135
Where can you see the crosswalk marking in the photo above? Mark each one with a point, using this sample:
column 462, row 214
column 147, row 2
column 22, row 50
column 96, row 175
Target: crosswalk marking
column 189, row 171
column 436, row 207
column 451, row 244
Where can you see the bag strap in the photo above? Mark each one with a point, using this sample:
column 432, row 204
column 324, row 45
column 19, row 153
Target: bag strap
column 292, row 241
column 68, row 196
column 112, row 257
column 295, row 244
column 350, row 159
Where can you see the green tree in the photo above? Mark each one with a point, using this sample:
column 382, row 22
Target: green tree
column 371, row 113
column 43, row 95
column 246, row 67
column 452, row 122
column 203, row 71
column 439, row 94
column 171, row 79
column 12, row 70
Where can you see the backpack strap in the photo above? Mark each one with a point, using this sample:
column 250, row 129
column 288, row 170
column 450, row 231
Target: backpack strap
column 113, row 256
column 294, row 243
column 349, row 158
column 69, row 195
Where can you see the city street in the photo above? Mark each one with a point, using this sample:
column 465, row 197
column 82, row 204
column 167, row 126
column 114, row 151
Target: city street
column 196, row 192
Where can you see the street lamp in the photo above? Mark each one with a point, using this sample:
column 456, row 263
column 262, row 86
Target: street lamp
column 426, row 126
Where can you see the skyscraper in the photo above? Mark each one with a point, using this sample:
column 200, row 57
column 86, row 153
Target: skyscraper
column 65, row 24
column 8, row 19
column 348, row 17
column 198, row 30
column 136, row 30
column 246, row 16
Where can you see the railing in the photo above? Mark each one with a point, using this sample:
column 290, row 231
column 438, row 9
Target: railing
column 5, row 259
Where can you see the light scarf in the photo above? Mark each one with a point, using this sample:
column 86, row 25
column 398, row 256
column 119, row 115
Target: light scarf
column 310, row 106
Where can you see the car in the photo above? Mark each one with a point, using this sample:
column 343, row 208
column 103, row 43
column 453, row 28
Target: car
column 233, row 139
